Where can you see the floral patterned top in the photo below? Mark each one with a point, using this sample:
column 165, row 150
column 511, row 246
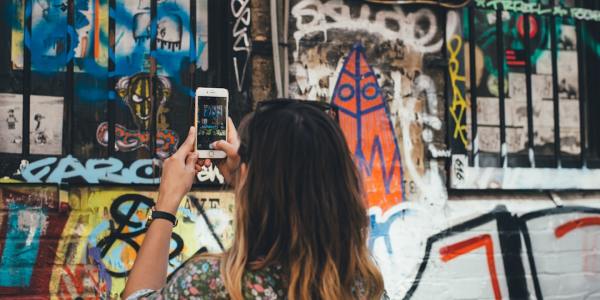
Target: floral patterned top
column 200, row 278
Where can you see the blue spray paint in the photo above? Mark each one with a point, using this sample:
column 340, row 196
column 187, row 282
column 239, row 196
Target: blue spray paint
column 21, row 245
column 94, row 255
column 382, row 230
column 52, row 170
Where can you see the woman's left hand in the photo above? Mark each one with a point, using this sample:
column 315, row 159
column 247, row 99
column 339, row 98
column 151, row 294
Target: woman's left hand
column 178, row 174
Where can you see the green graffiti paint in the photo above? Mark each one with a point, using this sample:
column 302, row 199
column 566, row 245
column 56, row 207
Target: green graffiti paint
column 539, row 9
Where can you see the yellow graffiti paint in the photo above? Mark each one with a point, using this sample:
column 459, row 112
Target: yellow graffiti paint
column 112, row 222
column 458, row 108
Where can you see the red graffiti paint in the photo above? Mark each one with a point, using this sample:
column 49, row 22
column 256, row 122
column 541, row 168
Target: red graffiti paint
column 127, row 140
column 369, row 132
column 81, row 281
column 563, row 229
column 485, row 240
column 533, row 26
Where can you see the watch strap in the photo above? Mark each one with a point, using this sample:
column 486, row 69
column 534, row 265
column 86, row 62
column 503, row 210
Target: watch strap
column 156, row 214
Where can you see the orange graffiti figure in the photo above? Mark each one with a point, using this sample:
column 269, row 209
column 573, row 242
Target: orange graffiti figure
column 369, row 132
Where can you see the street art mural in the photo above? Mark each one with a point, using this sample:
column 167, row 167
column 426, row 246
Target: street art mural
column 121, row 73
column 146, row 61
column 131, row 105
column 384, row 76
column 106, row 170
column 139, row 93
column 51, row 33
column 515, row 90
column 398, row 63
column 83, row 242
column 364, row 119
column 516, row 252
column 97, row 93
column 30, row 224
column 380, row 67
column 90, row 237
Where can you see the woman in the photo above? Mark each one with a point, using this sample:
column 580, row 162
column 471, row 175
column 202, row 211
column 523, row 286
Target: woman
column 301, row 222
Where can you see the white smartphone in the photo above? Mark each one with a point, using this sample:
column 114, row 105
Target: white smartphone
column 210, row 120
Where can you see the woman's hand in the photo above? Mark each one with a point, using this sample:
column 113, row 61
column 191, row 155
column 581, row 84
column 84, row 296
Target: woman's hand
column 228, row 166
column 178, row 173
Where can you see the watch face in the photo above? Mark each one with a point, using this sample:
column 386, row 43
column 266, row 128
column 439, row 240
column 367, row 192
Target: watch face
column 154, row 214
column 149, row 219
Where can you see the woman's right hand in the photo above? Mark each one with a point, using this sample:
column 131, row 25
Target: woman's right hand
column 229, row 165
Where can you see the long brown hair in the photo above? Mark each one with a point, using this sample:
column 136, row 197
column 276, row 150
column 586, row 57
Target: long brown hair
column 301, row 206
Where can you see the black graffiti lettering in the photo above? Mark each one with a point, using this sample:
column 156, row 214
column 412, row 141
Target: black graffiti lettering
column 459, row 169
column 214, row 202
column 515, row 244
column 200, row 208
column 120, row 221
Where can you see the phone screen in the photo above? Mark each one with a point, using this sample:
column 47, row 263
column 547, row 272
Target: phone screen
column 212, row 120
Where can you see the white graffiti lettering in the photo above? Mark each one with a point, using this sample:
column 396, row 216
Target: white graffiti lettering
column 241, row 40
column 417, row 29
column 105, row 170
column 210, row 174
column 53, row 170
column 438, row 153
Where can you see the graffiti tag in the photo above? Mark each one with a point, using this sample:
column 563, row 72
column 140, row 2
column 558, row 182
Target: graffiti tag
column 53, row 170
column 417, row 29
column 458, row 108
column 129, row 227
column 519, row 6
column 241, row 41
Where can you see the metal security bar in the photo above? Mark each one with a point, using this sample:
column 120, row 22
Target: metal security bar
column 70, row 56
column 536, row 146
column 503, row 153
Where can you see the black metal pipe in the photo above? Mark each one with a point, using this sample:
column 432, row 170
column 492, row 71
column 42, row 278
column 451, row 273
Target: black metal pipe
column 529, row 95
column 193, row 32
column 111, row 103
column 583, row 89
column 26, row 80
column 473, row 84
column 500, row 67
column 153, row 77
column 555, row 94
column 69, row 87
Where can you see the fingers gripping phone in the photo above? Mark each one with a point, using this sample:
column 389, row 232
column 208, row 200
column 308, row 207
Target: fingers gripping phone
column 210, row 120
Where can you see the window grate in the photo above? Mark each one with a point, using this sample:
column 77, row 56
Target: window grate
column 528, row 82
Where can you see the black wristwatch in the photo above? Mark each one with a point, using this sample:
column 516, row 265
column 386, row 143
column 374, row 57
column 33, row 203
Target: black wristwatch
column 156, row 214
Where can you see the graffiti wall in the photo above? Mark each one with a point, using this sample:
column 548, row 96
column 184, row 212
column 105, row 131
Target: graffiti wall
column 94, row 94
column 82, row 242
column 91, row 83
column 401, row 77
column 382, row 67
column 474, row 249
column 432, row 97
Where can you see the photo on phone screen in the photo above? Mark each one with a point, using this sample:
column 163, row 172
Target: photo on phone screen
column 212, row 121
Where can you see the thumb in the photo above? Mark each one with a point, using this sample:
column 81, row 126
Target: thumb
column 188, row 144
column 226, row 147
column 191, row 159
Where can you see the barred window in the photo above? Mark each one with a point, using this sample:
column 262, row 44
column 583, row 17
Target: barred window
column 96, row 87
column 526, row 120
